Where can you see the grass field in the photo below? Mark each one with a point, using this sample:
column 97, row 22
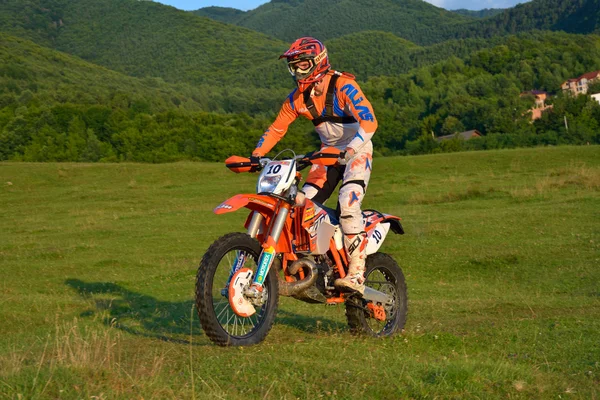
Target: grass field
column 501, row 256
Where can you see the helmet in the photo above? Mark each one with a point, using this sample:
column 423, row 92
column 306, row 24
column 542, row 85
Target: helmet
column 311, row 50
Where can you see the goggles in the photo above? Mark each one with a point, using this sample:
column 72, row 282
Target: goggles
column 302, row 67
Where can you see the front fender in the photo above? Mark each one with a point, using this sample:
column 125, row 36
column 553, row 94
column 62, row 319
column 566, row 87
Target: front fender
column 255, row 202
column 266, row 206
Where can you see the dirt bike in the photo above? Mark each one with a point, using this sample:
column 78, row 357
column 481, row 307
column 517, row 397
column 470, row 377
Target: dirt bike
column 292, row 250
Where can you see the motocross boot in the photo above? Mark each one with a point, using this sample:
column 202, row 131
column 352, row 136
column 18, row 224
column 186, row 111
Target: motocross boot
column 356, row 248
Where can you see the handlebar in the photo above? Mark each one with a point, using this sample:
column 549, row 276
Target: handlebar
column 326, row 156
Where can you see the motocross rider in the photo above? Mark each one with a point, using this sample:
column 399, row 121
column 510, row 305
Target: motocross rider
column 343, row 118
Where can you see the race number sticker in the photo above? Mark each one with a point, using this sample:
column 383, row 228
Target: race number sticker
column 376, row 237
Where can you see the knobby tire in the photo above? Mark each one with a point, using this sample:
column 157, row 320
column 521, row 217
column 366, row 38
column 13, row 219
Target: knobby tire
column 356, row 308
column 205, row 291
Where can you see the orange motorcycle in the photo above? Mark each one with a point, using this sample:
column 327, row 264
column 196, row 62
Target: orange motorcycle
column 292, row 250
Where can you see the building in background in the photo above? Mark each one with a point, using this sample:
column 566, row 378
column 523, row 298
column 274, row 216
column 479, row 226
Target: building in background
column 580, row 85
column 467, row 135
column 540, row 103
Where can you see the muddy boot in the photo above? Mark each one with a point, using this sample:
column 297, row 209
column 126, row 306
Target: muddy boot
column 356, row 246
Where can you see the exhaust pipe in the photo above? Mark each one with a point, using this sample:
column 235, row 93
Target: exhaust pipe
column 297, row 287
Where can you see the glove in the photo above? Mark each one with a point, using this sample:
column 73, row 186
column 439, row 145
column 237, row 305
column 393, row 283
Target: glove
column 346, row 156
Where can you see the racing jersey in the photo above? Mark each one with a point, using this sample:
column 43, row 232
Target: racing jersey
column 349, row 100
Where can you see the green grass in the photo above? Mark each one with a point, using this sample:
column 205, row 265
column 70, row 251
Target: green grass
column 501, row 256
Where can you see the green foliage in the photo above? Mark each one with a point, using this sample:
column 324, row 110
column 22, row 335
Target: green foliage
column 55, row 107
column 141, row 38
column 575, row 16
column 370, row 53
column 594, row 87
column 223, row 14
column 414, row 20
column 45, row 95
column 486, row 12
column 482, row 92
column 78, row 133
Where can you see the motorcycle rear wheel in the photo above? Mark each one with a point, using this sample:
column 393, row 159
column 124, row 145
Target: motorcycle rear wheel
column 220, row 323
column 383, row 274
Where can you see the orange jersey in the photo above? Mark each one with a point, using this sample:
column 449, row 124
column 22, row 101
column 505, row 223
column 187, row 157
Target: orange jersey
column 349, row 100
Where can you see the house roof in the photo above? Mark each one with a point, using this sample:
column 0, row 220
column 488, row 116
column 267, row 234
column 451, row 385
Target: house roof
column 466, row 135
column 589, row 75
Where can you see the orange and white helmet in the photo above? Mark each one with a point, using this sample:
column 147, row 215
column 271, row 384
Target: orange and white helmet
column 311, row 50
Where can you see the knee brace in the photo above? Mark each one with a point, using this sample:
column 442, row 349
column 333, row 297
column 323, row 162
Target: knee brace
column 350, row 200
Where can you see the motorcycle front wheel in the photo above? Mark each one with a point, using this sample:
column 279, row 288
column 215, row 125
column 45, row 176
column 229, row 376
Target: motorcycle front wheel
column 382, row 274
column 219, row 321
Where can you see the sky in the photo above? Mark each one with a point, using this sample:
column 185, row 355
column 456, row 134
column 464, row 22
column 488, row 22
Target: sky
column 252, row 4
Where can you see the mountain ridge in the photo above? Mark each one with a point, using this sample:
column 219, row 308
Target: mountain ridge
column 138, row 37
column 413, row 20
column 410, row 19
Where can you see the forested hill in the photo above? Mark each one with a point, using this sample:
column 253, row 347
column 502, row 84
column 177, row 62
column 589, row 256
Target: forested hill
column 223, row 14
column 574, row 16
column 37, row 76
column 140, row 38
column 55, row 107
column 146, row 39
column 414, row 20
column 482, row 91
column 356, row 52
column 204, row 89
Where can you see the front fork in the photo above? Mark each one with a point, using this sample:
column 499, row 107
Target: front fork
column 254, row 224
column 241, row 256
column 267, row 256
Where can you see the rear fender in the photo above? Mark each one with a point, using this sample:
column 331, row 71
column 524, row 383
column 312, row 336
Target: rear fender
column 395, row 224
column 373, row 217
column 377, row 226
column 376, row 235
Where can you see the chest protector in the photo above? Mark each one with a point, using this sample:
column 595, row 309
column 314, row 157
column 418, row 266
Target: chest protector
column 327, row 115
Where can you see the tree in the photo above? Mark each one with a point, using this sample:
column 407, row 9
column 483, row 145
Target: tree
column 452, row 125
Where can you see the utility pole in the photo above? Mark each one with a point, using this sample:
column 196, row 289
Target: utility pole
column 566, row 124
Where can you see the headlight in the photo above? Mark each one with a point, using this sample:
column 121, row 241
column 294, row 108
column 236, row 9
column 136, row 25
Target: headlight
column 268, row 183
